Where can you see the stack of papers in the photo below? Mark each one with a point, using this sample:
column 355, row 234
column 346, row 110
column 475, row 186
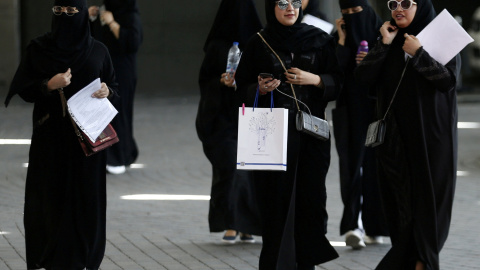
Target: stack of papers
column 92, row 115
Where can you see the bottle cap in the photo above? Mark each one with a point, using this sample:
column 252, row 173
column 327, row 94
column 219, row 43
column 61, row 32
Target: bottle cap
column 235, row 43
column 364, row 43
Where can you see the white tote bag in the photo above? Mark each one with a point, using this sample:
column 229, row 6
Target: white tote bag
column 262, row 139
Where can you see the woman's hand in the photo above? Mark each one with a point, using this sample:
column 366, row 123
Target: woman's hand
column 267, row 84
column 107, row 17
column 388, row 32
column 60, row 80
column 300, row 77
column 411, row 45
column 360, row 57
column 227, row 80
column 103, row 92
column 93, row 11
column 342, row 34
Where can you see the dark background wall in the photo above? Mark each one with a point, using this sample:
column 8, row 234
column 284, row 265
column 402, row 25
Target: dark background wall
column 175, row 31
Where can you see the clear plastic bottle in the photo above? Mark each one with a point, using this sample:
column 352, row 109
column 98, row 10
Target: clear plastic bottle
column 233, row 59
column 363, row 47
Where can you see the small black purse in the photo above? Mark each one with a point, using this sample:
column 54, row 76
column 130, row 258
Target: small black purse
column 376, row 130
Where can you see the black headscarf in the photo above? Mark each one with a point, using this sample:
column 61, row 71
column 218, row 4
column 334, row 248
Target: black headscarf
column 67, row 45
column 424, row 15
column 236, row 20
column 120, row 7
column 295, row 38
column 364, row 25
column 313, row 8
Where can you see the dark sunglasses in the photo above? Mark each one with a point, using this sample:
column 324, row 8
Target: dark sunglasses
column 405, row 4
column 283, row 4
column 70, row 11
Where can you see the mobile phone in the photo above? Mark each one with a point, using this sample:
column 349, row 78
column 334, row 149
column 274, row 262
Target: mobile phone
column 266, row 75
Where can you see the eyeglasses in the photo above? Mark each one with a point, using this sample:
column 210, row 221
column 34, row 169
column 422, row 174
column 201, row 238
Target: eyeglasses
column 405, row 4
column 283, row 4
column 70, row 11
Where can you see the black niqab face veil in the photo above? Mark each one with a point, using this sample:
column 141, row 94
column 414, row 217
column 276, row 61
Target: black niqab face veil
column 363, row 25
column 68, row 44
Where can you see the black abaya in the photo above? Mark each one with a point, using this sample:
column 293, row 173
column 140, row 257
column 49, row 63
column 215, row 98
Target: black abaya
column 124, row 57
column 418, row 161
column 65, row 193
column 293, row 203
column 232, row 203
column 354, row 111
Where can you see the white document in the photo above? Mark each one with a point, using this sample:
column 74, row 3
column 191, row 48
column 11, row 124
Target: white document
column 444, row 38
column 319, row 23
column 92, row 115
column 262, row 139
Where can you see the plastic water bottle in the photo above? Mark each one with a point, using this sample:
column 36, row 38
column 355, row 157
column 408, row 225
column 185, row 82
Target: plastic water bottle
column 233, row 59
column 363, row 47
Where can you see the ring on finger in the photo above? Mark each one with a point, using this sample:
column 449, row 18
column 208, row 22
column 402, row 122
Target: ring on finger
column 294, row 76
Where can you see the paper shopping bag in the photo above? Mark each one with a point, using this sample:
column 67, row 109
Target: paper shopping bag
column 262, row 139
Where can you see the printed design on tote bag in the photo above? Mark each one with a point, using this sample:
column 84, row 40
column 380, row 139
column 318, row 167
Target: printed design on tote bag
column 262, row 125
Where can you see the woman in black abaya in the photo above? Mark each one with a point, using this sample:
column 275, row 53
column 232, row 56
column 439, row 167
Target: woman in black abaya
column 65, row 192
column 293, row 203
column 354, row 111
column 120, row 29
column 232, row 204
column 418, row 160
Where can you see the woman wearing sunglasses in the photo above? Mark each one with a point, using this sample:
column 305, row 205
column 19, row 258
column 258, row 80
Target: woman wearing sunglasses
column 65, row 192
column 417, row 161
column 292, row 203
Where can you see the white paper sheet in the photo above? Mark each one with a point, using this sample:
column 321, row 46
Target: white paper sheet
column 312, row 20
column 92, row 115
column 444, row 38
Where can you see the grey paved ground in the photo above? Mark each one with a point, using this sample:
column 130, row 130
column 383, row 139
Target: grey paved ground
column 173, row 234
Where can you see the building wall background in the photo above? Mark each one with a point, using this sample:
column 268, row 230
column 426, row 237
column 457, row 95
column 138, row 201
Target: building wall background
column 175, row 32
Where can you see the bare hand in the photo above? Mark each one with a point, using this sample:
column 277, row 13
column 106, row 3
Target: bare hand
column 360, row 57
column 342, row 34
column 103, row 92
column 60, row 80
column 227, row 80
column 93, row 11
column 107, row 17
column 300, row 77
column 411, row 45
column 267, row 84
column 388, row 32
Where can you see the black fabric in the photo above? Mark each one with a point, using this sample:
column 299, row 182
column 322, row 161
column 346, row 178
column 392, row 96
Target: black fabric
column 313, row 8
column 295, row 38
column 235, row 21
column 418, row 161
column 354, row 111
column 293, row 203
column 352, row 3
column 233, row 202
column 67, row 45
column 124, row 57
column 65, row 192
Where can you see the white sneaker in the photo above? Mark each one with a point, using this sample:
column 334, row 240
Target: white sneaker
column 373, row 240
column 116, row 169
column 354, row 239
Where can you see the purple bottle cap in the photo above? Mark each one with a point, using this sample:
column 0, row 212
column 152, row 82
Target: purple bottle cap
column 364, row 43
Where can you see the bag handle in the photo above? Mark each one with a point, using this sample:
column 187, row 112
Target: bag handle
column 255, row 103
column 284, row 68
column 395, row 93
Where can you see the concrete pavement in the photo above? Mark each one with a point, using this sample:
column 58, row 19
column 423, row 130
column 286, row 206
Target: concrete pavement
column 164, row 233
